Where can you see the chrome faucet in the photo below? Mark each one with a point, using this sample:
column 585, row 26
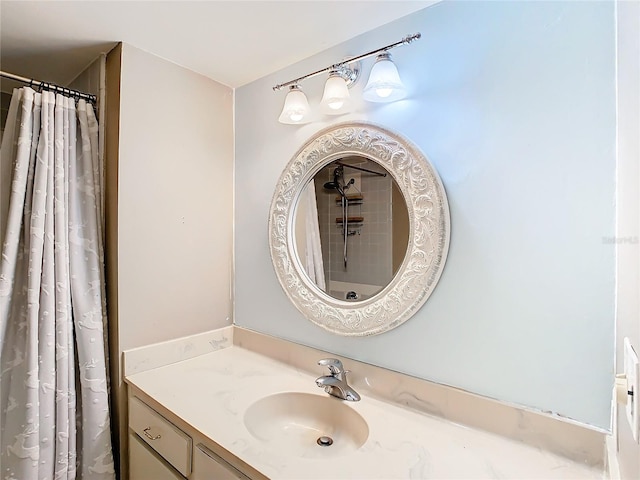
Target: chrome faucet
column 336, row 383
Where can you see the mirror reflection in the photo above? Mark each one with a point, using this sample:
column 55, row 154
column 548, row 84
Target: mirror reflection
column 355, row 259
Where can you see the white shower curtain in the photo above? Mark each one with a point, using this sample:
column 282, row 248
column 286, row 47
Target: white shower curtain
column 52, row 304
column 313, row 263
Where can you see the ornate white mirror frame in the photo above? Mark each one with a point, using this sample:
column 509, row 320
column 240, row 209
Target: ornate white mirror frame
column 429, row 228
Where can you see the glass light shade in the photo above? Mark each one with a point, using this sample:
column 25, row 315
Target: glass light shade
column 296, row 107
column 384, row 83
column 336, row 99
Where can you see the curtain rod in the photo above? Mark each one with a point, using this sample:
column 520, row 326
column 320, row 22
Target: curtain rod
column 338, row 162
column 50, row 86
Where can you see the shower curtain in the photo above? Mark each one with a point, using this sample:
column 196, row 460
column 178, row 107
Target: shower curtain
column 53, row 383
column 313, row 263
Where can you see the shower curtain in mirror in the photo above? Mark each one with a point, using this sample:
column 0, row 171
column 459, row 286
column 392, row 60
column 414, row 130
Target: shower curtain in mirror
column 53, row 384
column 312, row 261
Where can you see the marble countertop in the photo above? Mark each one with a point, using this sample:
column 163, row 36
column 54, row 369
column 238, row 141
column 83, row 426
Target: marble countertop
column 211, row 392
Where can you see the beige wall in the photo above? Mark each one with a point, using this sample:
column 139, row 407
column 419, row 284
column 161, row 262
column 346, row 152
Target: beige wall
column 628, row 211
column 169, row 206
column 174, row 201
column 112, row 135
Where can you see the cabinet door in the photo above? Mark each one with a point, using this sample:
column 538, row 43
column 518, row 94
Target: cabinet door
column 209, row 466
column 146, row 465
column 160, row 434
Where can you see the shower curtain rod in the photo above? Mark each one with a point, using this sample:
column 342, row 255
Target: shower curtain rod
column 50, row 86
column 338, row 162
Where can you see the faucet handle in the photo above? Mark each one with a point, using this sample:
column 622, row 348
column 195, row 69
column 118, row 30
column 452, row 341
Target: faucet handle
column 333, row 364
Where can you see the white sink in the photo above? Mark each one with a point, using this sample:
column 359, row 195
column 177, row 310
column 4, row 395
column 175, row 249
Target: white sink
column 293, row 422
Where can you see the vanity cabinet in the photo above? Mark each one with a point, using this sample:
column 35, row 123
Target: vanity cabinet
column 209, row 466
column 144, row 464
column 160, row 450
column 166, row 439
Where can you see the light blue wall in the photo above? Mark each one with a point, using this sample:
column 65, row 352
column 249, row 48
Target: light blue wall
column 513, row 103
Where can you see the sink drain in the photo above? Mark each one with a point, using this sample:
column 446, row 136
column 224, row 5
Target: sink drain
column 324, row 441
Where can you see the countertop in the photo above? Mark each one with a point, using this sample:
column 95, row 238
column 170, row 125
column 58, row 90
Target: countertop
column 211, row 393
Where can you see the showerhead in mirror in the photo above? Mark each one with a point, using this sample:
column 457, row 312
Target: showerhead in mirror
column 338, row 182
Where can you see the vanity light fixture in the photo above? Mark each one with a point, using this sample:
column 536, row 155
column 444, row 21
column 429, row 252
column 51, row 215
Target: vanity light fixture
column 384, row 85
column 296, row 107
column 336, row 98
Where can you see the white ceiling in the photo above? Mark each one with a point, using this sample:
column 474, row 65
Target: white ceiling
column 233, row 42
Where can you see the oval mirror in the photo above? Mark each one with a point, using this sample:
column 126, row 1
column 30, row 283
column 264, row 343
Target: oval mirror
column 356, row 259
column 372, row 272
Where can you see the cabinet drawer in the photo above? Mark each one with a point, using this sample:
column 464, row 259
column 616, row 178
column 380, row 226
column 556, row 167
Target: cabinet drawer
column 209, row 466
column 165, row 438
column 145, row 465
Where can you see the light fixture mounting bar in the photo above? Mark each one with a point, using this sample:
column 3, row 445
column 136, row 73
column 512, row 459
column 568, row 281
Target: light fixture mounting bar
column 405, row 41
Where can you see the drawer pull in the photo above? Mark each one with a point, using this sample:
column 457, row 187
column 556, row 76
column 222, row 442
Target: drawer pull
column 149, row 436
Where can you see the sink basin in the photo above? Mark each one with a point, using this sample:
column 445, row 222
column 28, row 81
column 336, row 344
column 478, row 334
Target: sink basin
column 296, row 421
